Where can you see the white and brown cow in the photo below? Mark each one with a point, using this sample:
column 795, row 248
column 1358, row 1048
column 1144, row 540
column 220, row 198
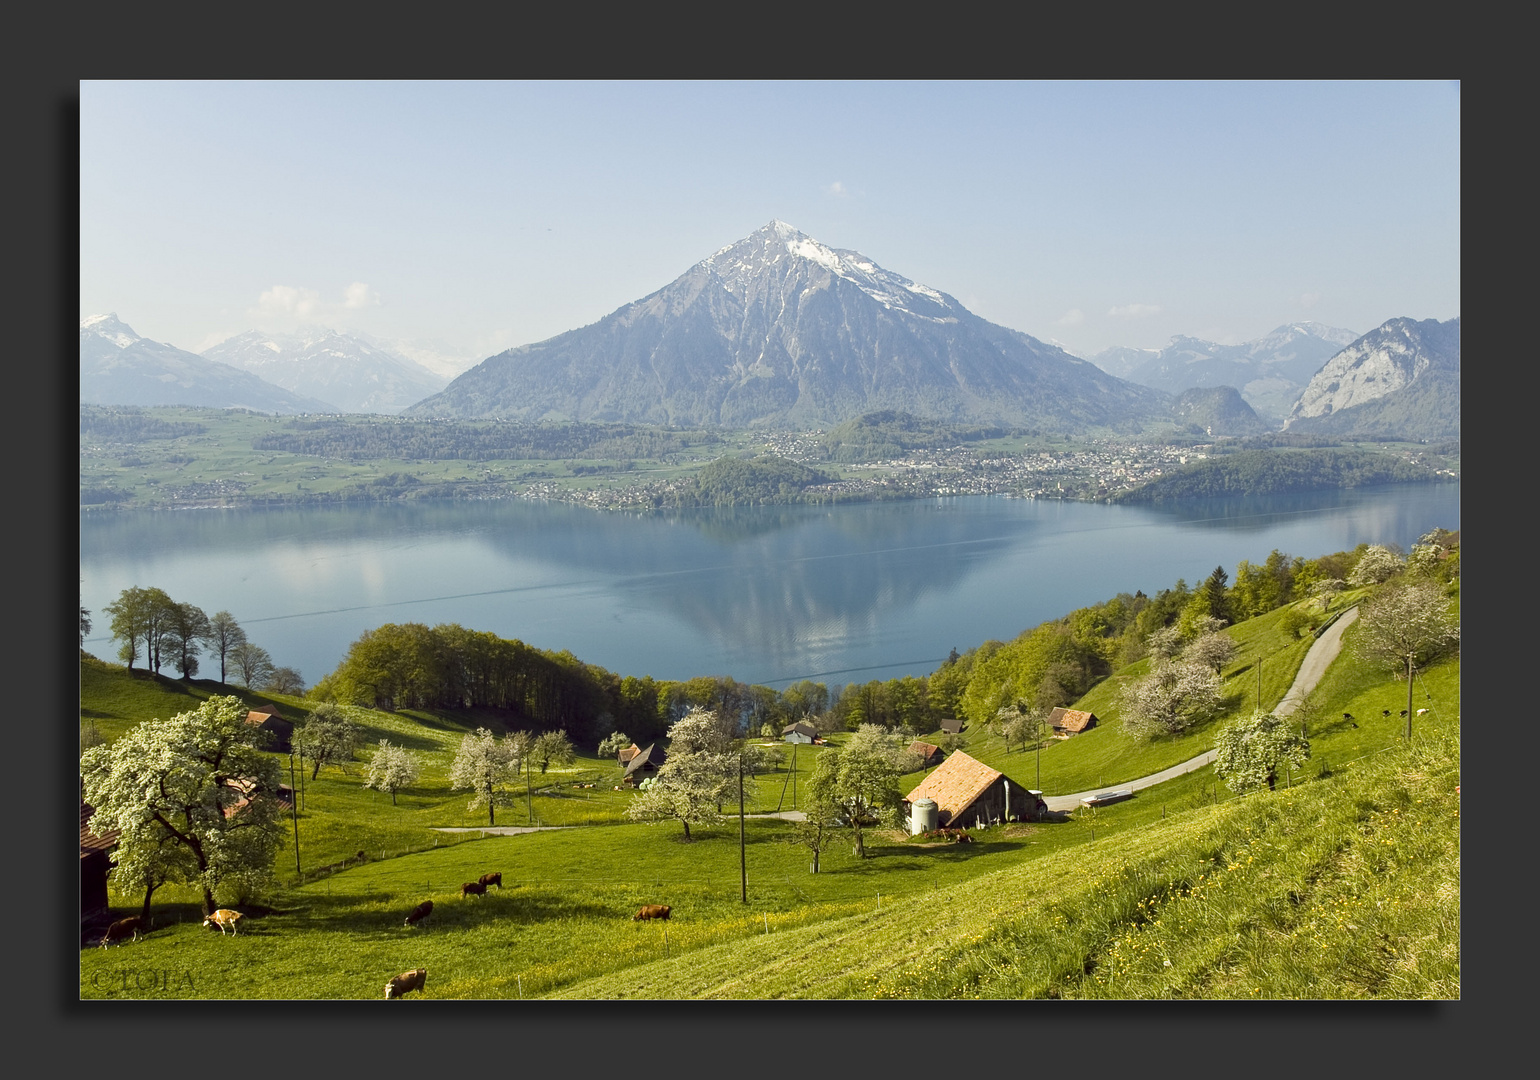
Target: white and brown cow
column 406, row 982
column 223, row 918
column 123, row 928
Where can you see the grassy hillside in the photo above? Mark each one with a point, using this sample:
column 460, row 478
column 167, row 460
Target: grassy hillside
column 1342, row 883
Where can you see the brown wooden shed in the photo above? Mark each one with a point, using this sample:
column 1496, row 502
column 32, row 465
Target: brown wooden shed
column 95, row 860
column 929, row 754
column 279, row 732
column 644, row 764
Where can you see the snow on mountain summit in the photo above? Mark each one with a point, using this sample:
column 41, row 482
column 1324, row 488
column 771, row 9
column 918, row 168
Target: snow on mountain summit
column 749, row 265
column 109, row 327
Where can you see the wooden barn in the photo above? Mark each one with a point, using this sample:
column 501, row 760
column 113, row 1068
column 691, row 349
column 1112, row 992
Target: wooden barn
column 969, row 794
column 628, row 753
column 929, row 754
column 801, row 732
column 95, row 860
column 644, row 764
column 1067, row 722
column 268, row 720
column 953, row 725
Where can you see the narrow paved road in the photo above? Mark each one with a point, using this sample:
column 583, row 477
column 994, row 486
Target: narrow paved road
column 1317, row 660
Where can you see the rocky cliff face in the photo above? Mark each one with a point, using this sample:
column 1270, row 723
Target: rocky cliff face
column 1402, row 378
column 780, row 330
column 1270, row 372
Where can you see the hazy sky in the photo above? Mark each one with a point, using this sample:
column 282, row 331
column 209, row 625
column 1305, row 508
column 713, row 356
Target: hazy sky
column 484, row 215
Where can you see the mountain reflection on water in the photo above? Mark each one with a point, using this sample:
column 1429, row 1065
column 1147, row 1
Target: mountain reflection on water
column 765, row 595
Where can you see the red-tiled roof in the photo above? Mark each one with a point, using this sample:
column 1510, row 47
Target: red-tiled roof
column 1071, row 719
column 956, row 782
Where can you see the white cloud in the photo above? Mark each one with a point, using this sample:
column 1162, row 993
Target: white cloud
column 289, row 304
column 1134, row 311
column 287, row 301
column 1072, row 317
column 359, row 295
column 838, row 189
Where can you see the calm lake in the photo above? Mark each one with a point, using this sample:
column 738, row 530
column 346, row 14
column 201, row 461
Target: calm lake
column 768, row 596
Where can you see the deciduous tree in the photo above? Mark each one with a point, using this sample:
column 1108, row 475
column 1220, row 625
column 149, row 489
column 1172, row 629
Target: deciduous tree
column 1250, row 750
column 1377, row 564
column 821, row 809
column 866, row 779
column 392, row 768
column 185, row 629
column 252, row 664
column 327, row 736
column 551, row 748
column 1403, row 627
column 700, row 774
column 224, row 634
column 166, row 786
column 484, row 764
column 1172, row 698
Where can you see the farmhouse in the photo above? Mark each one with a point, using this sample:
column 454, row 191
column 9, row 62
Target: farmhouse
column 953, row 725
column 1067, row 722
column 267, row 719
column 969, row 793
column 628, row 753
column 929, row 754
column 643, row 764
column 95, row 861
column 800, row 732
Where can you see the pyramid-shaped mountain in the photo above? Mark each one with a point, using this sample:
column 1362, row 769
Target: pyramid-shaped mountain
column 780, row 330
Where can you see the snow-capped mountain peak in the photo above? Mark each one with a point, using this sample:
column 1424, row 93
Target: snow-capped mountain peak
column 750, row 264
column 109, row 327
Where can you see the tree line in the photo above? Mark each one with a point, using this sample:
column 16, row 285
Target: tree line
column 1271, row 472
column 352, row 438
column 148, row 623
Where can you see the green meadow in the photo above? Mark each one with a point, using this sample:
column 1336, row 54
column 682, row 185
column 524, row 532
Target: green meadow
column 1342, row 883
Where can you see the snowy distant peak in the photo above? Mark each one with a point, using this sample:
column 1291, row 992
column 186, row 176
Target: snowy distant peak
column 108, row 326
column 744, row 265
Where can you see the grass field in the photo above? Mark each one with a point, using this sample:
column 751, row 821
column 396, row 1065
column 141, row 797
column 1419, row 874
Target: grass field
column 1342, row 883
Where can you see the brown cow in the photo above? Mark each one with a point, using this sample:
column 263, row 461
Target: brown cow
column 224, row 917
column 472, row 888
column 406, row 982
column 419, row 913
column 651, row 911
column 492, row 879
column 123, row 928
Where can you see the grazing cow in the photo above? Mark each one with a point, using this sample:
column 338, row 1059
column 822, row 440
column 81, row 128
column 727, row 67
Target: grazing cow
column 472, row 888
column 1403, row 714
column 406, row 982
column 123, row 928
column 492, row 879
column 224, row 917
column 651, row 911
column 1347, row 716
column 419, row 913
column 1422, row 712
column 1384, row 712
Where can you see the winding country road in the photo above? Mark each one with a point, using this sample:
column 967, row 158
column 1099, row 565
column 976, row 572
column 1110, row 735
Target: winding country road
column 1317, row 660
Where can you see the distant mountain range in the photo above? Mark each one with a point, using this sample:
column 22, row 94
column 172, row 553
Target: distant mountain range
column 355, row 374
column 118, row 367
column 1270, row 372
column 1401, row 379
column 781, row 330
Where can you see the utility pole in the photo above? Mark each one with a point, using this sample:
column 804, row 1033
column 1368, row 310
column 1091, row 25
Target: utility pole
column 1409, row 656
column 743, row 863
column 294, row 806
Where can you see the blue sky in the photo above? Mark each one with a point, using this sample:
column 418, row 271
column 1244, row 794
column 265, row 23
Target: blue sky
column 484, row 215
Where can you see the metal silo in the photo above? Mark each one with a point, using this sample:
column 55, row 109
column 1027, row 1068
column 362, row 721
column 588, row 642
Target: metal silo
column 922, row 816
